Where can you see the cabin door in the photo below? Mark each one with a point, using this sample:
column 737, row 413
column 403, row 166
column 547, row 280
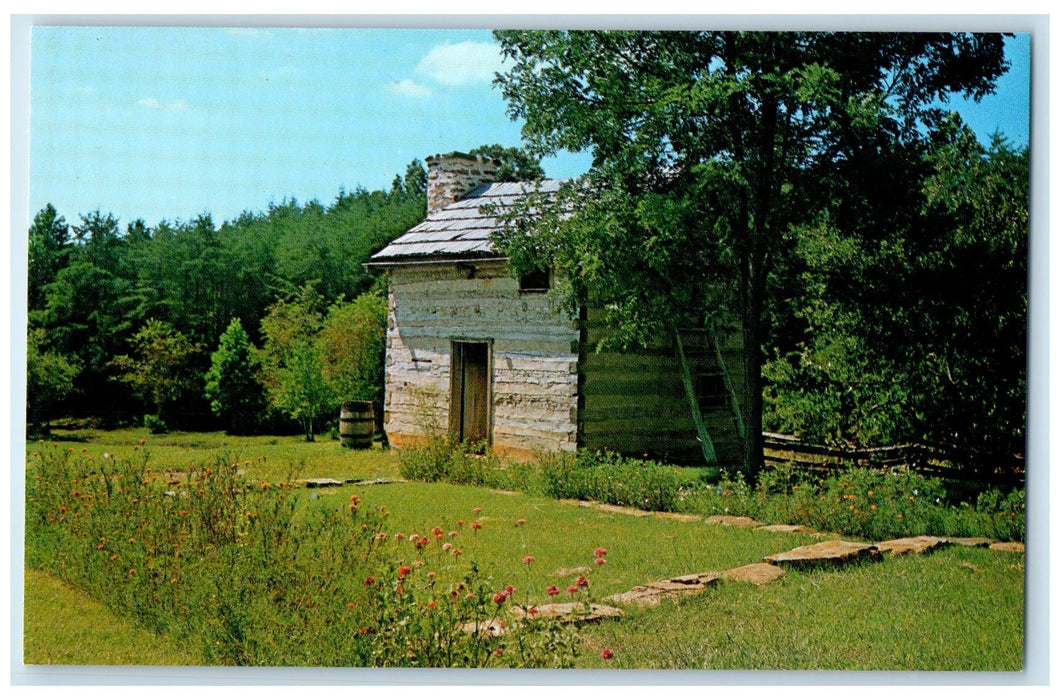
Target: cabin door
column 470, row 400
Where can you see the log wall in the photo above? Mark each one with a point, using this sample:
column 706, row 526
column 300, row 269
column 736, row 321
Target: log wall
column 534, row 361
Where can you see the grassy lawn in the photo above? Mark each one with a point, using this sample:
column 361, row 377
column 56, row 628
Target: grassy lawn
column 65, row 626
column 956, row 609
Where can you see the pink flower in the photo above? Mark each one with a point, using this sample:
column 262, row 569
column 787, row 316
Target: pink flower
column 499, row 597
column 528, row 560
column 606, row 654
column 447, row 546
column 600, row 551
column 572, row 589
column 553, row 590
column 601, row 561
column 509, row 589
column 581, row 582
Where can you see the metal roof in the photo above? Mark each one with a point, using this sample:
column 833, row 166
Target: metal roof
column 461, row 229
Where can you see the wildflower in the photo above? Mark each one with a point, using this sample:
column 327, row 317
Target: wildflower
column 572, row 589
column 356, row 500
column 431, row 574
column 457, row 552
column 581, row 582
column 436, row 531
column 552, row 590
column 528, row 560
column 520, row 521
column 499, row 597
column 599, row 552
column 380, row 536
column 351, row 605
column 606, row 654
column 509, row 589
column 873, row 506
column 432, row 604
column 477, row 510
column 452, row 533
column 353, row 507
column 399, row 536
column 498, row 651
column 459, row 523
column 369, row 581
column 476, row 525
column 447, row 546
column 600, row 561
column 404, row 571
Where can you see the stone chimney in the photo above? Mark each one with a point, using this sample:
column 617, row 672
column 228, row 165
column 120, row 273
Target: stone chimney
column 453, row 175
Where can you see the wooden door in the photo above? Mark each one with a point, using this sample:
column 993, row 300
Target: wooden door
column 470, row 393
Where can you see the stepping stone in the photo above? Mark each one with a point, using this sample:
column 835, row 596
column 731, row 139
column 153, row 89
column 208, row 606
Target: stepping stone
column 682, row 517
column 1017, row 547
column 571, row 613
column 912, row 545
column 732, row 520
column 972, row 541
column 610, row 508
column 370, row 482
column 321, row 483
column 830, row 553
column 573, row 570
column 577, row 613
column 790, row 529
column 758, row 574
column 669, row 589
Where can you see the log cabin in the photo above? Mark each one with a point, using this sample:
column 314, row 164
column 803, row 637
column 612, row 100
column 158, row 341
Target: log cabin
column 489, row 356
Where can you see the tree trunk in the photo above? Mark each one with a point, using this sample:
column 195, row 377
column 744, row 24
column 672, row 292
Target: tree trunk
column 706, row 444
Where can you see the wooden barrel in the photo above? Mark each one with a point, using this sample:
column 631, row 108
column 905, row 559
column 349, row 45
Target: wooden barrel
column 357, row 424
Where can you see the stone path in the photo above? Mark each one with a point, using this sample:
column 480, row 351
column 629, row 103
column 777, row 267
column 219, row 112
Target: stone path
column 325, row 482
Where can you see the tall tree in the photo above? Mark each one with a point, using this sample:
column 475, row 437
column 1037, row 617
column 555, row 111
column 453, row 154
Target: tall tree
column 159, row 369
column 290, row 359
column 49, row 378
column 719, row 143
column 48, row 249
column 231, row 388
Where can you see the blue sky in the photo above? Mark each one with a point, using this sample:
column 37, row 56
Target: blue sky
column 166, row 123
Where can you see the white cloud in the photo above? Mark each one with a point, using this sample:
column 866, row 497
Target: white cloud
column 461, row 64
column 410, row 88
column 152, row 103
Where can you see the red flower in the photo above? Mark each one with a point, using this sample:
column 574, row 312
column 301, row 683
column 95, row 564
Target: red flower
column 500, row 597
column 369, row 581
column 528, row 560
column 600, row 551
column 404, row 571
column 601, row 561
column 581, row 582
column 476, row 525
column 509, row 589
column 606, row 654
column 572, row 589
column 553, row 590
column 477, row 510
column 436, row 531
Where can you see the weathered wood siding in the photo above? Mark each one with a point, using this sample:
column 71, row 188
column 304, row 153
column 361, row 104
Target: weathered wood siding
column 635, row 403
column 534, row 361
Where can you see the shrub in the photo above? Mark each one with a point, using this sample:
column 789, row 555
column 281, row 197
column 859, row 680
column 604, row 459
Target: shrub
column 155, row 424
column 611, row 478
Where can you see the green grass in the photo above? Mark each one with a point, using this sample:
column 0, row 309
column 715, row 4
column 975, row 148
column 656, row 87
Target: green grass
column 263, row 456
column 957, row 609
column 65, row 626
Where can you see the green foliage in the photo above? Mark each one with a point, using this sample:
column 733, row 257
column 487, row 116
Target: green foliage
column 49, row 374
column 159, row 371
column 155, row 424
column 870, row 503
column 710, row 149
column 610, row 478
column 353, row 341
column 231, row 388
column 48, row 250
column 255, row 575
column 516, row 164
